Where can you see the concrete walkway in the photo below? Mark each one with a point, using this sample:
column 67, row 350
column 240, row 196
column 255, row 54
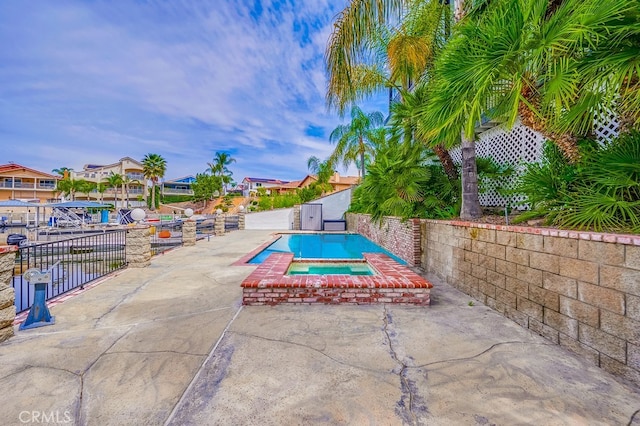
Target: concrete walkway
column 171, row 344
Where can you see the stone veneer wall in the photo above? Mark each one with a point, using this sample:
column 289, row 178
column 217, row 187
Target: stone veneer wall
column 7, row 295
column 138, row 246
column 400, row 238
column 189, row 233
column 580, row 290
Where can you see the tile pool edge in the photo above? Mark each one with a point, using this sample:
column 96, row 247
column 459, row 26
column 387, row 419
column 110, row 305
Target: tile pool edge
column 394, row 283
column 244, row 260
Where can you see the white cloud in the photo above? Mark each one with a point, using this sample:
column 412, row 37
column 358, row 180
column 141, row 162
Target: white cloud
column 182, row 79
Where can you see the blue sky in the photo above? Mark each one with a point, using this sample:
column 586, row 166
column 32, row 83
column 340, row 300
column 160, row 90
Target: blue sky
column 94, row 81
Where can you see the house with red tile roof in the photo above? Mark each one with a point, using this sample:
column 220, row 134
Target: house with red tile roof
column 18, row 182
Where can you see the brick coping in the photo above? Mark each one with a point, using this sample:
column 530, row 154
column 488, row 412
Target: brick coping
column 627, row 239
column 8, row 249
column 390, row 274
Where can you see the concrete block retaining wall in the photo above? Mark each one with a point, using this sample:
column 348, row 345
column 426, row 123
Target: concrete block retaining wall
column 580, row 290
column 7, row 295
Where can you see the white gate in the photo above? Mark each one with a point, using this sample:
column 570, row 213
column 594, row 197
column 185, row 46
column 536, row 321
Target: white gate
column 311, row 217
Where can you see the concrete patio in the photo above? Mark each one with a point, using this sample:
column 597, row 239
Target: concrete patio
column 171, row 344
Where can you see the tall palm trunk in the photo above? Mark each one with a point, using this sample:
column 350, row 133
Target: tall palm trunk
column 566, row 142
column 447, row 162
column 153, row 195
column 470, row 202
column 361, row 157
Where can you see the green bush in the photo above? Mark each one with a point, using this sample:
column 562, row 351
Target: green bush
column 600, row 193
column 405, row 181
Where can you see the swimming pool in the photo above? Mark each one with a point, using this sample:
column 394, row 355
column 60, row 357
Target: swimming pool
column 323, row 246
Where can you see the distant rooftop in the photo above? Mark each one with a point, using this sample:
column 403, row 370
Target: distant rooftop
column 264, row 180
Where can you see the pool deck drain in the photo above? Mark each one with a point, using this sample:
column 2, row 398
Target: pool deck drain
column 393, row 283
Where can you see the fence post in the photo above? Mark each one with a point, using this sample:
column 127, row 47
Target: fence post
column 296, row 217
column 189, row 233
column 7, row 295
column 218, row 226
column 138, row 246
column 241, row 220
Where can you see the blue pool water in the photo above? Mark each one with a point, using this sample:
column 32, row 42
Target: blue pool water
column 330, row 268
column 323, row 246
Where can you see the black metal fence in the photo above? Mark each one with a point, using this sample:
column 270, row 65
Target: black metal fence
column 165, row 236
column 81, row 260
column 205, row 228
column 231, row 223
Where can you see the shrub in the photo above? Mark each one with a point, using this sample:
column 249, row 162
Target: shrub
column 600, row 193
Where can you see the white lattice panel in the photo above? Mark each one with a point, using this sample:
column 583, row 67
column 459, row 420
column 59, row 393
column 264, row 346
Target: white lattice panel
column 606, row 126
column 522, row 145
column 515, row 147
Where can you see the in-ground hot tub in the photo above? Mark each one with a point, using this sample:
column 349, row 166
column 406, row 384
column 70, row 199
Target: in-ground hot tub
column 392, row 282
column 330, row 268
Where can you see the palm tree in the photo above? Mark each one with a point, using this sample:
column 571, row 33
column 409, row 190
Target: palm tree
column 101, row 188
column 526, row 59
column 85, row 187
column 70, row 186
column 126, row 181
column 523, row 58
column 114, row 181
column 154, row 167
column 404, row 121
column 364, row 59
column 323, row 172
column 62, row 171
column 356, row 139
column 604, row 75
column 219, row 168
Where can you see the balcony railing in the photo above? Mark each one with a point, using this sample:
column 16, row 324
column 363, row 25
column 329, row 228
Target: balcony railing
column 27, row 185
column 177, row 191
column 135, row 176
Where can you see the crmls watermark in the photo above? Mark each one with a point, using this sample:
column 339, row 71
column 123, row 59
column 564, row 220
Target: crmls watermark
column 58, row 417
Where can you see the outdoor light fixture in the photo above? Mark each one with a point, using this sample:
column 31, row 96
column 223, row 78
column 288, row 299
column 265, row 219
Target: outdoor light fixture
column 188, row 213
column 219, row 211
column 137, row 215
column 241, row 208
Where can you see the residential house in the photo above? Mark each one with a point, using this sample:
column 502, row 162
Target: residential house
column 251, row 185
column 180, row 186
column 337, row 182
column 19, row 182
column 129, row 194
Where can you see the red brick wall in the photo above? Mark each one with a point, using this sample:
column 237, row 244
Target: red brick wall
column 400, row 238
column 269, row 284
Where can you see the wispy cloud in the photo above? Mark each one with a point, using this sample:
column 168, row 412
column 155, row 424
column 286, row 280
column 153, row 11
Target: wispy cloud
column 91, row 82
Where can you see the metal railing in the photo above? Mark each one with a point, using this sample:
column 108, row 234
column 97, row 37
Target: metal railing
column 182, row 191
column 205, row 228
column 165, row 236
column 82, row 260
column 231, row 223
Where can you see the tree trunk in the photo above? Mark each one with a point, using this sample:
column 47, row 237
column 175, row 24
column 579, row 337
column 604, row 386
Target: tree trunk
column 470, row 203
column 566, row 142
column 361, row 143
column 446, row 161
column 153, row 196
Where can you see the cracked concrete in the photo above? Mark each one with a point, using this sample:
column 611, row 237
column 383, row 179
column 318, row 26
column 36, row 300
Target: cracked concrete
column 171, row 344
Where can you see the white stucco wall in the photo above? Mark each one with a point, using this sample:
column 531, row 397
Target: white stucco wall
column 281, row 219
column 335, row 205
